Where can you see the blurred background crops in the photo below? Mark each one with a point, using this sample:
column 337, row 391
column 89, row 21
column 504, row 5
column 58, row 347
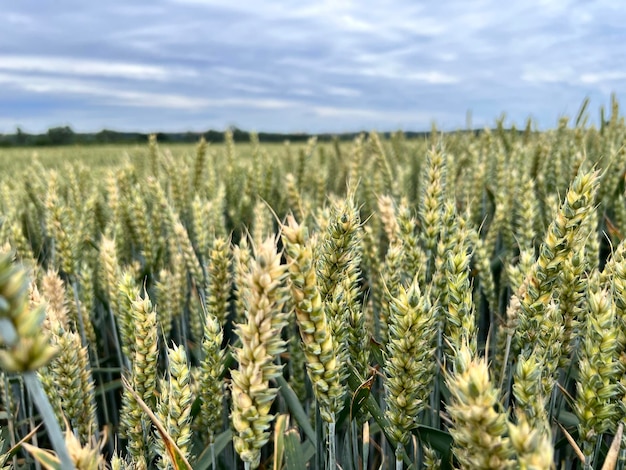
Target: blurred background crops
column 457, row 301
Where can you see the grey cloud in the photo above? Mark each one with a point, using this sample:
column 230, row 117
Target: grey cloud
column 304, row 65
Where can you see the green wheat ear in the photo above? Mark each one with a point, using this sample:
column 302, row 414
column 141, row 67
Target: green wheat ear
column 321, row 347
column 544, row 276
column 261, row 344
column 598, row 387
column 211, row 390
column 174, row 404
column 68, row 381
column 135, row 425
column 533, row 447
column 479, row 428
column 25, row 347
column 338, row 275
column 409, row 367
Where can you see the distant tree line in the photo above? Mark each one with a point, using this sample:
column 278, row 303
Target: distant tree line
column 66, row 136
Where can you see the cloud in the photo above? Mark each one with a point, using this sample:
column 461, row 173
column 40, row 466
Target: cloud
column 605, row 76
column 394, row 116
column 342, row 91
column 538, row 76
column 89, row 67
column 18, row 19
column 123, row 97
column 307, row 64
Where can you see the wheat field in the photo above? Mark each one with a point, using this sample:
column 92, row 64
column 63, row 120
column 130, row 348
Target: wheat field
column 457, row 301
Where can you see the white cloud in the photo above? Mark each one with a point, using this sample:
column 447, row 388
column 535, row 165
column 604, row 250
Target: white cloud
column 342, row 91
column 569, row 76
column 389, row 118
column 90, row 67
column 546, row 76
column 259, row 90
column 301, row 91
column 241, row 73
column 125, row 97
column 18, row 19
column 554, row 7
column 394, row 71
column 601, row 77
column 434, row 77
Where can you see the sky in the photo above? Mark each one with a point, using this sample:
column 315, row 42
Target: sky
column 305, row 66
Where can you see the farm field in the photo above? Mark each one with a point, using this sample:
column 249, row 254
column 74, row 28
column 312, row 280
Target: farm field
column 457, row 301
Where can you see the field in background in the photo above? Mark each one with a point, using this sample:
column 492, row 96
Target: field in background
column 96, row 157
column 457, row 301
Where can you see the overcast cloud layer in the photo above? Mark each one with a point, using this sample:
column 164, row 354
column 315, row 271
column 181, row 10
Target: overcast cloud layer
column 304, row 65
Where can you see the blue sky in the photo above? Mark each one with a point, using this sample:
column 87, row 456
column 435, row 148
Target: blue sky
column 305, row 65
